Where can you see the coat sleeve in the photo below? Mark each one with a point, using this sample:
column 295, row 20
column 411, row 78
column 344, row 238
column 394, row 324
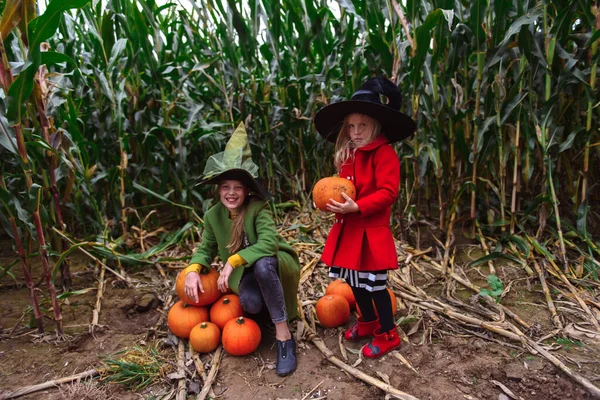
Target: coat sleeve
column 387, row 180
column 266, row 243
column 208, row 249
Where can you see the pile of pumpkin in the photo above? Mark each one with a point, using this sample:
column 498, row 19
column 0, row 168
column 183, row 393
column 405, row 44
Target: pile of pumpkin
column 334, row 308
column 215, row 318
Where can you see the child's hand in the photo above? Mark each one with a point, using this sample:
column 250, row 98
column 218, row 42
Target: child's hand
column 192, row 284
column 349, row 206
column 222, row 282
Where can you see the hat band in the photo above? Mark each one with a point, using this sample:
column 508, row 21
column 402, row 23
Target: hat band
column 367, row 92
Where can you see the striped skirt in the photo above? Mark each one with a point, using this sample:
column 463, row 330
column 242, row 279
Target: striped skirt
column 372, row 281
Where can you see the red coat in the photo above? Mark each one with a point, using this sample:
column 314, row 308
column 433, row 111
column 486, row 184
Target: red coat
column 363, row 240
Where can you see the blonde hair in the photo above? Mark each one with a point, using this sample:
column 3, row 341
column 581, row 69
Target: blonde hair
column 237, row 230
column 344, row 147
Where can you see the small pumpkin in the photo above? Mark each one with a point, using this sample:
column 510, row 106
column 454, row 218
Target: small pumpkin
column 183, row 317
column 208, row 277
column 333, row 310
column 339, row 286
column 394, row 304
column 226, row 308
column 241, row 336
column 205, row 337
column 332, row 188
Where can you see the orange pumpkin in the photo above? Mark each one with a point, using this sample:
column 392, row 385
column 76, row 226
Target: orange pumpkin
column 332, row 188
column 241, row 336
column 339, row 286
column 205, row 337
column 208, row 277
column 394, row 304
column 226, row 308
column 182, row 318
column 333, row 310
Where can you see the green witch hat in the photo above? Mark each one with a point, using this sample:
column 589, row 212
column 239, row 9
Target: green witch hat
column 234, row 163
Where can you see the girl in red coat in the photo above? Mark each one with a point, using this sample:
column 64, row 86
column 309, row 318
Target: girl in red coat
column 360, row 246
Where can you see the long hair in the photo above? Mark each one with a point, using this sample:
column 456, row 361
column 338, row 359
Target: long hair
column 237, row 230
column 344, row 147
column 236, row 242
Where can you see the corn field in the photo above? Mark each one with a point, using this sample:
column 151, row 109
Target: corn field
column 108, row 111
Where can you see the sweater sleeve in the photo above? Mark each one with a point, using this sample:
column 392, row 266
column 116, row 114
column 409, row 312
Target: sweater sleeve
column 208, row 249
column 266, row 244
column 236, row 261
column 387, row 180
column 194, row 268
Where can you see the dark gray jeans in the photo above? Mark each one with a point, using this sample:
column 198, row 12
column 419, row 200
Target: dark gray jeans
column 260, row 285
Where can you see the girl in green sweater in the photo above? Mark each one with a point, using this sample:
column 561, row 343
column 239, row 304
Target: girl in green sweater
column 259, row 265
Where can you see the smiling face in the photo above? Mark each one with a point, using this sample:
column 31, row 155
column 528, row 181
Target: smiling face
column 232, row 194
column 361, row 129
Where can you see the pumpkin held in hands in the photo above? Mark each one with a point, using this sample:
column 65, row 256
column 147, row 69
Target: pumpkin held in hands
column 333, row 310
column 205, row 337
column 182, row 318
column 332, row 188
column 241, row 336
column 225, row 309
column 208, row 277
column 340, row 287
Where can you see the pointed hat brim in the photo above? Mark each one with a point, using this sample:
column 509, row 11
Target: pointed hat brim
column 239, row 174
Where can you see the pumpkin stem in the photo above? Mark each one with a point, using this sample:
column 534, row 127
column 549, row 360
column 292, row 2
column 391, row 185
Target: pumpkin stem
column 226, row 300
column 203, row 325
column 240, row 320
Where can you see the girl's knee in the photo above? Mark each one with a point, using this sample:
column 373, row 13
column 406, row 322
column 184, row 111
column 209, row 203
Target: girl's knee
column 252, row 304
column 265, row 268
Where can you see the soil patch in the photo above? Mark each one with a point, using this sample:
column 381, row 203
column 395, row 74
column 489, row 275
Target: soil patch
column 449, row 363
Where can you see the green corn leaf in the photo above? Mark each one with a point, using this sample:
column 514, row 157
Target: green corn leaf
column 568, row 143
column 108, row 32
column 593, row 38
column 41, row 28
column 477, row 17
column 422, row 40
column 458, row 195
column 66, row 295
column 582, row 217
column 521, row 244
column 541, row 248
column 510, row 106
column 54, row 58
column 18, row 94
column 494, row 256
column 7, row 136
column 159, row 196
column 116, row 52
column 523, row 21
column 6, row 199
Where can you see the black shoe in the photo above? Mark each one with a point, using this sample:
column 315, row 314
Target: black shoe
column 286, row 357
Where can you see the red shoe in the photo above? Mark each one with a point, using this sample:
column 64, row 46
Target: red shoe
column 361, row 330
column 382, row 344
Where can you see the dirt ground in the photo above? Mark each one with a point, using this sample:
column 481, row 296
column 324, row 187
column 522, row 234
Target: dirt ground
column 449, row 363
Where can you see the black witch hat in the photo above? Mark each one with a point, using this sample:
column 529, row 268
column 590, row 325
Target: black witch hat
column 395, row 125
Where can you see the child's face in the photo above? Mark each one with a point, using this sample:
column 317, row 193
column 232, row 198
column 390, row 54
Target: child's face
column 232, row 194
column 360, row 129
